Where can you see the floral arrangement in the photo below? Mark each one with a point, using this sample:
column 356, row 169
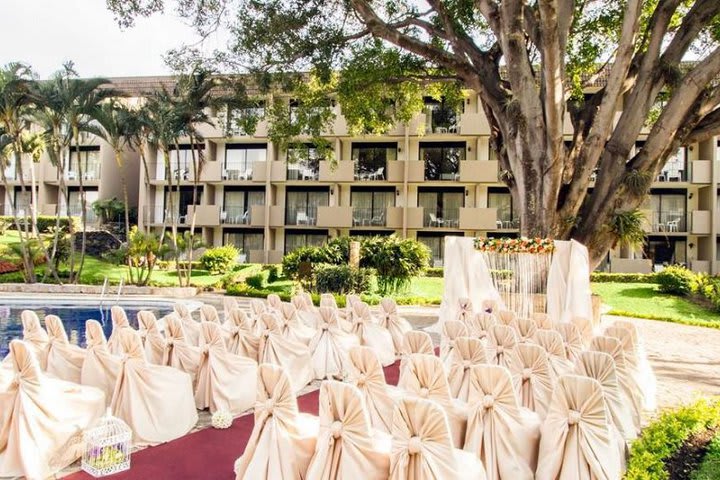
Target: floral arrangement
column 515, row 245
column 222, row 419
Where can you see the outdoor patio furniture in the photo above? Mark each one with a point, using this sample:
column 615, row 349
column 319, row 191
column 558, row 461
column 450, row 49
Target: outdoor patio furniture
column 378, row 219
column 673, row 225
column 246, row 175
column 71, row 175
column 441, row 130
column 498, row 224
column 435, row 221
column 302, row 218
column 307, row 174
column 377, row 175
column 244, row 219
column 223, row 216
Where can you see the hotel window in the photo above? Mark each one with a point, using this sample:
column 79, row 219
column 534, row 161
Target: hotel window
column 301, row 205
column 501, row 199
column 297, row 239
column 303, row 162
column 668, row 211
column 442, row 159
column 181, row 161
column 180, row 202
column 87, row 160
column 74, row 203
column 675, row 168
column 237, row 204
column 236, row 117
column 666, row 250
column 441, row 207
column 245, row 240
column 371, row 159
column 370, row 205
column 22, row 200
column 240, row 158
column 441, row 117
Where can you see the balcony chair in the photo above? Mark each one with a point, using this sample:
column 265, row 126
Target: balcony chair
column 307, row 174
column 378, row 219
column 71, row 176
column 498, row 224
column 246, row 175
column 302, row 218
column 378, row 174
column 673, row 225
column 244, row 219
column 441, row 130
column 223, row 216
column 435, row 221
column 453, row 129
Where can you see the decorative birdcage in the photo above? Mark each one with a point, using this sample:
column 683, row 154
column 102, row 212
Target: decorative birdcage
column 107, row 447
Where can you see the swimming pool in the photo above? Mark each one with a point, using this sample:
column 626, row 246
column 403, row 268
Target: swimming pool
column 73, row 316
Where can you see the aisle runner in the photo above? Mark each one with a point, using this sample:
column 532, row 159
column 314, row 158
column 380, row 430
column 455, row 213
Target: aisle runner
column 208, row 453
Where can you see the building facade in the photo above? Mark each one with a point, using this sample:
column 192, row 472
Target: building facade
column 435, row 177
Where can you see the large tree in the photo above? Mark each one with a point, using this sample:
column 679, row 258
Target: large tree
column 531, row 63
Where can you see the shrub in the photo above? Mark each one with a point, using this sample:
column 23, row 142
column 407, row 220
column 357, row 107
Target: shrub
column 677, row 280
column 219, row 259
column 604, row 277
column 662, row 438
column 258, row 281
column 273, row 273
column 342, row 279
column 710, row 467
column 45, row 223
column 434, row 272
column 396, row 261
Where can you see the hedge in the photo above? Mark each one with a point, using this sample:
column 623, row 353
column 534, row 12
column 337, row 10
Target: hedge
column 663, row 437
column 604, row 277
column 45, row 223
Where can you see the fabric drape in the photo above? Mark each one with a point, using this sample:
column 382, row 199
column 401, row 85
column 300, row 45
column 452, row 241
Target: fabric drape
column 525, row 329
column 35, row 338
column 241, row 339
column 532, row 377
column 120, row 323
column 293, row 357
column 553, row 344
column 467, row 352
column 292, row 327
column 330, row 346
column 416, row 341
column 367, row 374
column 208, row 313
column 501, row 341
column 153, row 339
column 64, row 360
column 571, row 340
column 178, row 352
column 190, row 326
column 451, row 330
column 481, row 324
column 371, row 334
column 640, row 370
column 100, row 368
column 391, row 320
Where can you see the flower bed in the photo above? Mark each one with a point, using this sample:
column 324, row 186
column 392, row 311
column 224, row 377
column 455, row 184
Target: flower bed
column 515, row 245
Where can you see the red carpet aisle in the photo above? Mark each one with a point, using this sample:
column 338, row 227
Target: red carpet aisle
column 209, row 453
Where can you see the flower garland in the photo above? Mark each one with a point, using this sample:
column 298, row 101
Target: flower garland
column 515, row 245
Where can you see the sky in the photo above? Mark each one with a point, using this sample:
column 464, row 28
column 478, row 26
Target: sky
column 47, row 33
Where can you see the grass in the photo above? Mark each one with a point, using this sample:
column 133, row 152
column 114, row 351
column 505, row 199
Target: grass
column 644, row 300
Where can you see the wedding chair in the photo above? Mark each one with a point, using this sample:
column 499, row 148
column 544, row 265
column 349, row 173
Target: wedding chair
column 576, row 439
column 542, row 320
column 601, row 367
column 153, row 339
column 330, row 347
column 274, row 303
column 292, row 327
column 347, row 446
column 480, row 325
column 501, row 341
column 393, row 322
column 532, row 377
column 64, row 360
column 155, row 401
column 417, row 341
column 525, row 328
column 178, row 352
column 368, row 376
column 489, row 305
column 372, row 335
column 507, row 317
column 229, row 304
column 242, row 340
column 328, row 300
column 504, row 435
column 42, row 419
column 120, row 323
column 422, row 448
column 191, row 328
column 464, row 311
column 644, row 369
column 283, row 440
column 208, row 313
column 225, row 381
column 294, row 357
column 467, row 353
column 585, row 327
column 571, row 340
column 451, row 330
column 35, row 338
column 100, row 368
column 257, row 308
column 641, row 371
column 553, row 344
column 350, row 301
column 308, row 316
column 424, row 376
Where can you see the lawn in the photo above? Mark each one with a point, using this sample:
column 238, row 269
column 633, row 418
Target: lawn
column 644, row 300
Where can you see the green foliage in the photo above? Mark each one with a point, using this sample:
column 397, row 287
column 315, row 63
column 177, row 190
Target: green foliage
column 710, row 467
column 604, row 277
column 677, row 280
column 142, row 253
column 258, row 281
column 110, row 210
column 628, row 227
column 663, row 437
column 434, row 272
column 342, row 279
column 45, row 223
column 273, row 273
column 219, row 259
column 638, row 182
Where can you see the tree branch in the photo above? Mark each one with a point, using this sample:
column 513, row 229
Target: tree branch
column 706, row 129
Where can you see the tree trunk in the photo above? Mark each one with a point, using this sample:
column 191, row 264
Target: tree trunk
column 83, row 208
column 27, row 261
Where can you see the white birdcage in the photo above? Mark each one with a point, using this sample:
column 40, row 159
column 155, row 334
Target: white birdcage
column 107, row 447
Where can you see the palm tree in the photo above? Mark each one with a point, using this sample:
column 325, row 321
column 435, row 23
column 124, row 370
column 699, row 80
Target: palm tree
column 16, row 103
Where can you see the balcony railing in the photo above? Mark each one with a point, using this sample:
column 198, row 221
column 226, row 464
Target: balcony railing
column 237, row 171
column 301, row 217
column 370, row 172
column 90, row 172
column 669, row 221
column 303, row 171
column 369, row 217
column 235, row 214
column 679, row 175
column 446, row 218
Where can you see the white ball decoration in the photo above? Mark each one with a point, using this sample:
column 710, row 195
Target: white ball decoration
column 222, row 419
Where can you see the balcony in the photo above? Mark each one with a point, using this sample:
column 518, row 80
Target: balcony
column 91, row 173
column 701, row 171
column 473, row 124
column 369, row 217
column 342, row 171
column 485, row 171
column 258, row 256
column 335, row 217
column 700, row 222
column 630, row 265
column 13, row 175
column 668, row 222
column 259, row 171
column 303, row 170
column 447, row 218
column 478, row 218
column 205, row 215
column 210, row 172
column 75, row 210
column 416, row 171
column 235, row 215
column 395, row 217
column 306, row 217
column 257, row 216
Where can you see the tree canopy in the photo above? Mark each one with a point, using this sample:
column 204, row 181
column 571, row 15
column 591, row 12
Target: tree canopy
column 615, row 67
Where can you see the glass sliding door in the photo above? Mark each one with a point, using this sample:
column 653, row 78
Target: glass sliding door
column 237, row 204
column 441, row 208
column 669, row 211
column 295, row 239
column 303, row 162
column 370, row 206
column 301, row 205
column 371, row 159
column 442, row 159
column 507, row 215
column 240, row 158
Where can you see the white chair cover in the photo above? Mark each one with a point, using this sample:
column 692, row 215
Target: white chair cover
column 35, row 338
column 328, row 300
column 229, row 304
column 467, row 352
column 178, row 352
column 585, row 326
column 502, row 434
column 576, row 439
column 525, row 329
column 64, row 360
column 532, row 377
column 393, row 322
column 451, row 330
column 257, row 308
column 307, row 313
column 41, row 419
column 153, row 339
column 369, row 377
column 601, row 367
column 424, row 376
column 119, row 323
column 646, row 375
column 225, row 381
column 155, row 401
column 464, row 311
column 481, row 324
column 282, row 441
column 542, row 320
column 506, row 317
column 292, row 327
column 242, row 340
column 417, row 341
column 100, row 368
column 208, row 313
column 640, row 368
column 190, row 326
column 274, row 303
column 571, row 340
column 489, row 305
column 330, row 346
column 373, row 335
column 347, row 446
column 422, row 448
column 553, row 344
column 293, row 357
column 632, row 397
column 502, row 341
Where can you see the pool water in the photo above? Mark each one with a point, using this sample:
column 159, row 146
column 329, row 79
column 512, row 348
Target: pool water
column 73, row 318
